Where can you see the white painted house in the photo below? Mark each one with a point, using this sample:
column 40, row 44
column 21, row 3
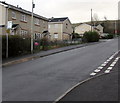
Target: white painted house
column 81, row 29
column 99, row 28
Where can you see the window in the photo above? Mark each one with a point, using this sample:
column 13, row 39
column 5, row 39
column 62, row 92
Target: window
column 23, row 32
column 37, row 21
column 55, row 36
column 23, row 17
column 49, row 26
column 37, row 36
column 13, row 15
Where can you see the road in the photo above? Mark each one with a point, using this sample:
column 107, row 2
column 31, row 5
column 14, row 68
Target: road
column 47, row 78
column 103, row 88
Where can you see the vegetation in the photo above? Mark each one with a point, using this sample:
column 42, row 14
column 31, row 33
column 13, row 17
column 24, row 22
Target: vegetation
column 90, row 37
column 109, row 36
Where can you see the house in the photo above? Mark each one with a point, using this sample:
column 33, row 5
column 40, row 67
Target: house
column 60, row 29
column 99, row 28
column 20, row 20
column 81, row 29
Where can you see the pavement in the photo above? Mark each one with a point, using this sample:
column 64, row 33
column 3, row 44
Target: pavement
column 103, row 87
column 47, row 78
column 24, row 58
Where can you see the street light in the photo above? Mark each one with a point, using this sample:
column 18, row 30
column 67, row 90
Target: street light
column 33, row 6
column 91, row 20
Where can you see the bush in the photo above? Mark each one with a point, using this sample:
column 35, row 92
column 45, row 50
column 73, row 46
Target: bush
column 17, row 45
column 90, row 37
column 110, row 36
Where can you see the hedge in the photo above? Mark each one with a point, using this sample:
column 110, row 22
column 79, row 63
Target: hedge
column 90, row 36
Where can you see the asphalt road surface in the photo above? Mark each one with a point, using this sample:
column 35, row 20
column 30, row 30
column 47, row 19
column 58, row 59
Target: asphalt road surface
column 47, row 78
column 103, row 88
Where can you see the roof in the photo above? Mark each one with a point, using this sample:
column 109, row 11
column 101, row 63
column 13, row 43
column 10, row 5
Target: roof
column 22, row 10
column 57, row 19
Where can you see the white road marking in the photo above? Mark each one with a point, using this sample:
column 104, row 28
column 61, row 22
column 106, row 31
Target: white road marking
column 103, row 65
column 105, row 62
column 109, row 68
column 108, row 60
column 112, row 65
column 100, row 67
column 107, row 71
column 92, row 74
column 97, row 70
column 116, row 60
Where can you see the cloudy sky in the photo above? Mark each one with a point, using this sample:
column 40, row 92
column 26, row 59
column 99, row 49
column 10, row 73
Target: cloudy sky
column 76, row 10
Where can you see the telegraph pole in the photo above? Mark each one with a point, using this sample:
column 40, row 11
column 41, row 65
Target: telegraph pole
column 33, row 6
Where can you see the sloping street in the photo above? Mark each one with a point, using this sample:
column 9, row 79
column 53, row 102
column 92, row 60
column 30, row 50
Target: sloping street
column 47, row 78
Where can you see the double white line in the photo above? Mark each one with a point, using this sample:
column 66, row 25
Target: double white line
column 105, row 63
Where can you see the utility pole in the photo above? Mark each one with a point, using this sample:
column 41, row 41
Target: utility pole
column 33, row 6
column 91, row 20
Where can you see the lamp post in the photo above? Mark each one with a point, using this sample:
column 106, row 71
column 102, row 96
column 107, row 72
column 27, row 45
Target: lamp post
column 33, row 6
column 7, row 8
column 91, row 20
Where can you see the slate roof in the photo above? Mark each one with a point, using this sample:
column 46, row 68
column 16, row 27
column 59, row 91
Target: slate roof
column 23, row 10
column 57, row 19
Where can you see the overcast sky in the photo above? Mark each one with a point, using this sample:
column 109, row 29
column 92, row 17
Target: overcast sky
column 76, row 10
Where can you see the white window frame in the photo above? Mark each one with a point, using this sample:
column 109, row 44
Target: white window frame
column 37, row 21
column 37, row 35
column 23, row 18
column 49, row 26
column 56, row 36
column 23, row 32
column 13, row 15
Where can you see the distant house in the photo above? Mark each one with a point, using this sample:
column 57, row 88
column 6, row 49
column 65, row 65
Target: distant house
column 99, row 28
column 81, row 29
column 21, row 21
column 60, row 29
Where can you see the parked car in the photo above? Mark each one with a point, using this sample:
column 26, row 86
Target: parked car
column 103, row 35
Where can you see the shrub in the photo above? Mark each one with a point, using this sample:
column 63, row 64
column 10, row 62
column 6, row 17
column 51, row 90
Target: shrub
column 90, row 37
column 110, row 36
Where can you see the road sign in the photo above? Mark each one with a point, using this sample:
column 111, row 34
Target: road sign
column 9, row 25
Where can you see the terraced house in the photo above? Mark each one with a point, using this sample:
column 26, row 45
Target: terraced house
column 60, row 29
column 21, row 21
